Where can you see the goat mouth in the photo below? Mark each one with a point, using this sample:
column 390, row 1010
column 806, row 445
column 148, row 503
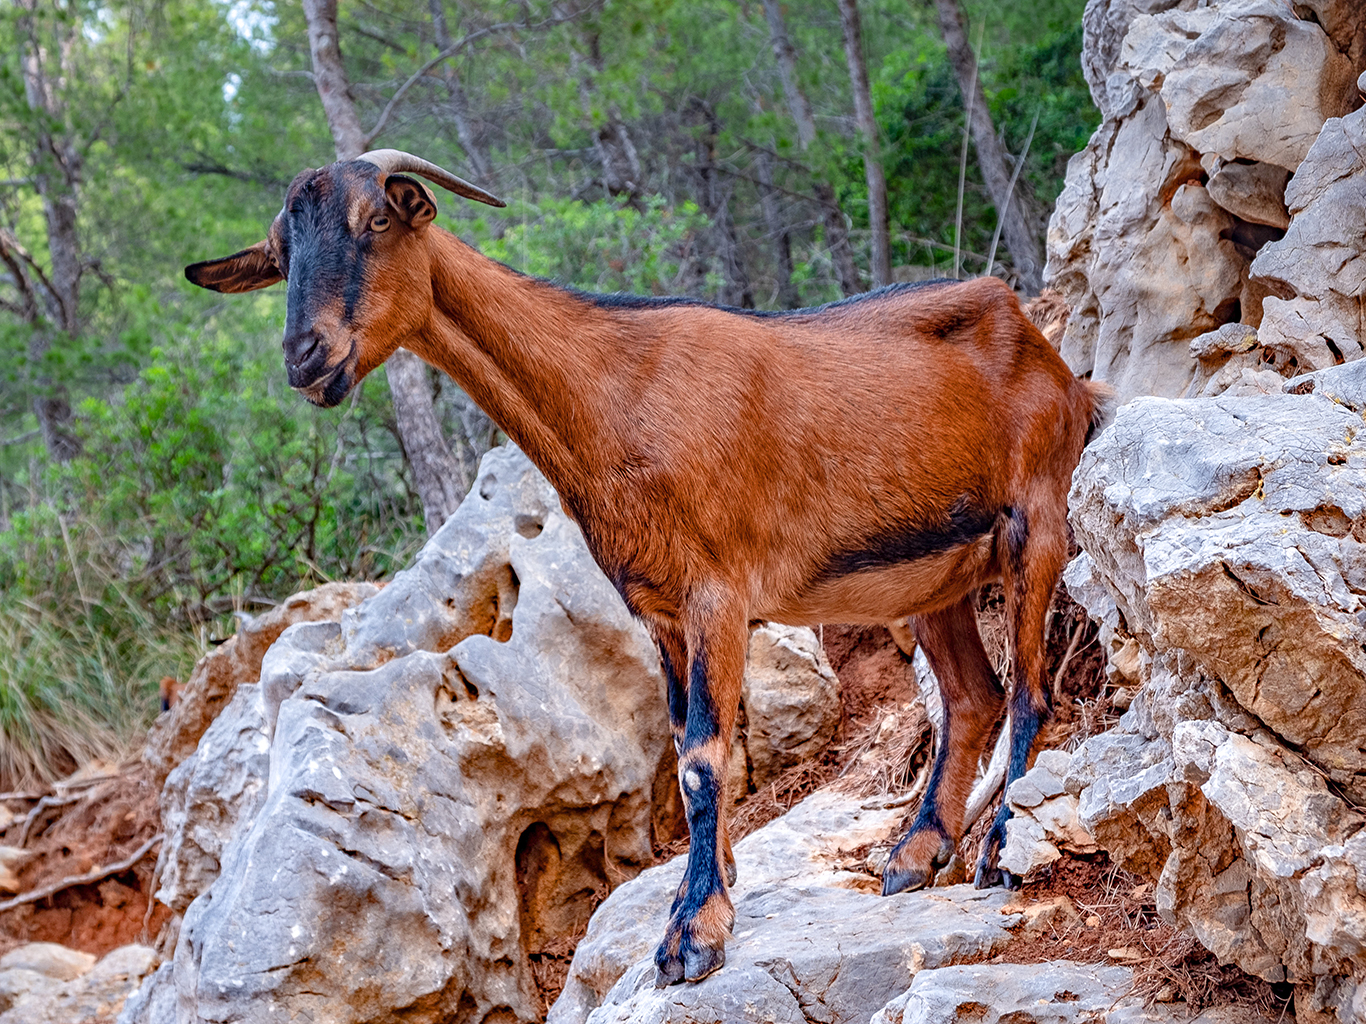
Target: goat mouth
column 328, row 390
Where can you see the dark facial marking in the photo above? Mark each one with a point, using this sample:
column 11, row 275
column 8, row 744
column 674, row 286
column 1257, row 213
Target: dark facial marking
column 324, row 264
column 901, row 544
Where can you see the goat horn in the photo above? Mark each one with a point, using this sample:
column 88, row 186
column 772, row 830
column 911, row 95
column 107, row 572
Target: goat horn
column 395, row 161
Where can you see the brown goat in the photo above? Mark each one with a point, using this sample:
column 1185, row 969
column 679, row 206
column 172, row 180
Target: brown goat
column 876, row 458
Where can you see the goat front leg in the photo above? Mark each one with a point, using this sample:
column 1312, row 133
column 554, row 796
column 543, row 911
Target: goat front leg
column 702, row 915
column 973, row 699
column 673, row 658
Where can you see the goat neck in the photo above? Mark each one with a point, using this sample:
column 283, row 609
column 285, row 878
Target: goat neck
column 549, row 367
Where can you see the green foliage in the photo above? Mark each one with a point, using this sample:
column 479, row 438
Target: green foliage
column 203, row 484
column 600, row 246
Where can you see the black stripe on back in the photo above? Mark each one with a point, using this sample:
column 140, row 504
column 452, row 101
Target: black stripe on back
column 622, row 300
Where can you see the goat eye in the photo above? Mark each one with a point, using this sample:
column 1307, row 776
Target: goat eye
column 380, row 223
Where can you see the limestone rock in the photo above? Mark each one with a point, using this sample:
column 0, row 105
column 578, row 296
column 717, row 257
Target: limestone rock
column 154, row 1002
column 1243, row 79
column 98, row 993
column 1059, row 992
column 818, row 954
column 48, row 959
column 1208, row 109
column 208, row 796
column 791, row 699
column 806, row 849
column 16, row 982
column 452, row 773
column 1318, row 270
column 12, row 858
column 1045, row 820
column 1254, row 192
column 217, row 675
column 1225, row 532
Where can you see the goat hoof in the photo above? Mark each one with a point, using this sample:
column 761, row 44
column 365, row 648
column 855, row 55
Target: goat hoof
column 732, row 873
column 700, row 961
column 668, row 969
column 899, row 880
column 992, row 877
column 915, row 860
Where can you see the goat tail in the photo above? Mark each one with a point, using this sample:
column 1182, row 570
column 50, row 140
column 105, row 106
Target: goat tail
column 1101, row 398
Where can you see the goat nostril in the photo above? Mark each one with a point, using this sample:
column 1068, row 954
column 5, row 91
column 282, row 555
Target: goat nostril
column 301, row 347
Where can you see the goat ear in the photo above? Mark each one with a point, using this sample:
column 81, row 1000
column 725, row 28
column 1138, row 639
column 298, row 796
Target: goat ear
column 241, row 272
column 411, row 200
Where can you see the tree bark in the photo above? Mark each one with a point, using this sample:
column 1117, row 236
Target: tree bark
column 991, row 154
column 836, row 230
column 881, row 257
column 778, row 232
column 612, row 143
column 436, row 472
column 56, row 178
column 714, row 198
column 459, row 106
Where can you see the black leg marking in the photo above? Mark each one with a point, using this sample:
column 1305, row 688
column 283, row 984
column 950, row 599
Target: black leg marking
column 1025, row 722
column 677, row 695
column 680, row 956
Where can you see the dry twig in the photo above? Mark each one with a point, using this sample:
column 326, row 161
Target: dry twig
column 94, row 875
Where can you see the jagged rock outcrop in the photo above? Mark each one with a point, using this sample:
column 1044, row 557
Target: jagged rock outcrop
column 1224, row 536
column 411, row 799
column 1045, row 821
column 813, row 940
column 1207, row 112
column 395, row 806
column 216, row 676
column 791, row 701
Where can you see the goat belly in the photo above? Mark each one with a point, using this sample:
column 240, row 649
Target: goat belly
column 882, row 592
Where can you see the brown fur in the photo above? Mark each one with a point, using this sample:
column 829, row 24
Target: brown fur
column 718, row 462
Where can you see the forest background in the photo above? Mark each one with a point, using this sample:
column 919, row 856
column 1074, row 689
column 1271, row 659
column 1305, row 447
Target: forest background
column 157, row 476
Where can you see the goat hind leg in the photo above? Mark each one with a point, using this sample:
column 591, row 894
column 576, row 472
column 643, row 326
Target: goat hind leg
column 703, row 915
column 1035, row 548
column 973, row 699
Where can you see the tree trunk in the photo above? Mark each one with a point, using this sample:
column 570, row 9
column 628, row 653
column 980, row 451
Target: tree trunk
column 786, row 56
column 459, row 103
column 612, row 143
column 56, row 175
column 836, row 231
column 881, row 257
column 714, row 198
column 778, row 232
column 435, row 469
column 991, row 154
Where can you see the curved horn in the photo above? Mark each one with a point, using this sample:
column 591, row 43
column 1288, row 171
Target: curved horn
column 395, row 161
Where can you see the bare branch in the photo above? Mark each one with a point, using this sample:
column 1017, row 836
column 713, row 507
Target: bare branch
column 462, row 43
column 95, row 875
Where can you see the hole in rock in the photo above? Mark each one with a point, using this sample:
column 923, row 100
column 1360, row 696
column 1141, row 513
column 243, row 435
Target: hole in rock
column 488, row 487
column 529, row 526
column 1337, row 352
column 1327, row 519
column 1251, row 236
column 509, row 586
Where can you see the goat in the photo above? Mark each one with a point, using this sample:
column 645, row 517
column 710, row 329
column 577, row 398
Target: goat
column 879, row 457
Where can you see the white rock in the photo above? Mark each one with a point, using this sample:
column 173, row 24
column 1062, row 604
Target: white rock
column 49, row 959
